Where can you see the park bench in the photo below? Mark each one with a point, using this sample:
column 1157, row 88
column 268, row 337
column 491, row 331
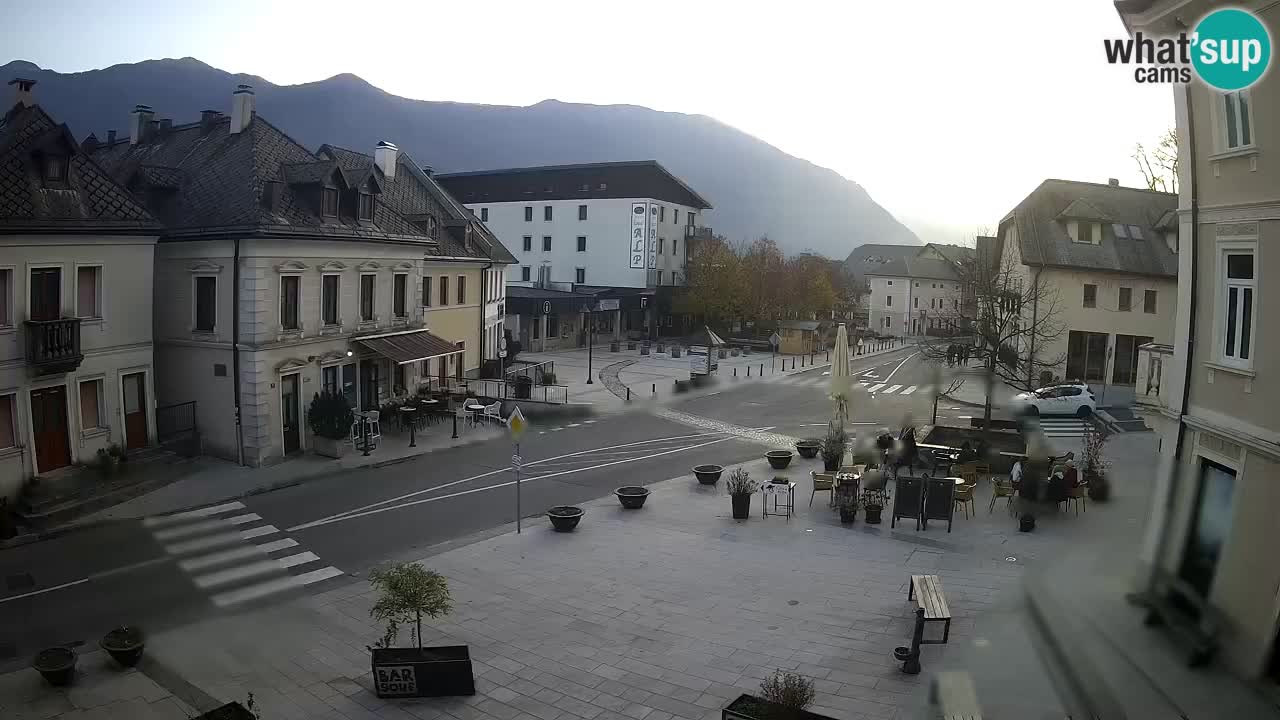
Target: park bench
column 931, row 606
column 1193, row 622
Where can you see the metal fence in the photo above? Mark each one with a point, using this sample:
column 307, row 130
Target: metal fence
column 537, row 372
column 173, row 421
column 502, row 390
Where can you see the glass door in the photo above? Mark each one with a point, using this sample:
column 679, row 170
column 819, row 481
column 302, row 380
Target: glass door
column 1209, row 526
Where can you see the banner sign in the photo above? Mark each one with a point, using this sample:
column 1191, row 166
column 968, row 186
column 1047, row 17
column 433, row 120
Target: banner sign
column 604, row 305
column 639, row 213
column 653, row 236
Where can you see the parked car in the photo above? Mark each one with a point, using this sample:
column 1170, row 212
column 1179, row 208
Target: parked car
column 1058, row 399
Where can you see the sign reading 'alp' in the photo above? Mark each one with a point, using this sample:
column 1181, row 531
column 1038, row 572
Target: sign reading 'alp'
column 395, row 680
column 639, row 214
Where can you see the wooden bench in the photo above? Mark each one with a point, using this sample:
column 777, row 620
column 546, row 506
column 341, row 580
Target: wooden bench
column 955, row 696
column 1194, row 623
column 927, row 592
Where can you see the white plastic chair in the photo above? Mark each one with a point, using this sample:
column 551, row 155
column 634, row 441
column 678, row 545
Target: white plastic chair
column 375, row 427
column 493, row 413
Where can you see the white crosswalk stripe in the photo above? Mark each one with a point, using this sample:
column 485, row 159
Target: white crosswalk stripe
column 225, row 549
column 909, row 390
column 893, row 389
column 1062, row 427
column 872, row 385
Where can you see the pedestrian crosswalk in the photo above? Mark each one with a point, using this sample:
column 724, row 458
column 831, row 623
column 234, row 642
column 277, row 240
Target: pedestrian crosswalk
column 872, row 386
column 1063, row 427
column 234, row 555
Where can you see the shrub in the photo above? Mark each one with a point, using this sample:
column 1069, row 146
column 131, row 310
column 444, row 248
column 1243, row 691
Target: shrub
column 409, row 591
column 330, row 416
column 548, row 378
column 740, row 483
column 835, row 442
column 789, row 691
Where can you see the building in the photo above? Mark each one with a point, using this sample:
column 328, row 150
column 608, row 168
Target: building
column 282, row 272
column 1215, row 404
column 800, row 337
column 916, row 293
column 616, row 231
column 1104, row 258
column 76, row 361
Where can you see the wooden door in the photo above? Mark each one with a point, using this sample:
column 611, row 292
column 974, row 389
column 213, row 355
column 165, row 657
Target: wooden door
column 134, row 389
column 289, row 414
column 49, row 424
column 46, row 293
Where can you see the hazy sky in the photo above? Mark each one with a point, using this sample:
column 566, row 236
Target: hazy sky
column 947, row 113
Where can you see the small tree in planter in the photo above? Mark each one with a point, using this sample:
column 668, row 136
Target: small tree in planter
column 789, row 692
column 330, row 418
column 1093, row 466
column 409, row 592
column 741, row 487
column 833, row 446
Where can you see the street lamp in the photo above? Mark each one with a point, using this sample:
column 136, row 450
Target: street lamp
column 586, row 310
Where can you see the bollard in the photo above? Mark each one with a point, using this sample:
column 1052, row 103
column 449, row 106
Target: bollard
column 735, row 372
column 761, row 369
column 455, row 426
column 654, row 389
column 628, row 393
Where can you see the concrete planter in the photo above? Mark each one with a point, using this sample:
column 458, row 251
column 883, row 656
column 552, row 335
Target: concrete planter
column 564, row 518
column 329, row 447
column 708, row 474
column 632, row 497
column 779, row 459
column 429, row 672
column 675, row 352
column 57, row 665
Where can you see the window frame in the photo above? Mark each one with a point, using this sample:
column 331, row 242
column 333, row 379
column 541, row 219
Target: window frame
column 528, row 213
column 547, row 213
column 195, row 303
column 327, row 193
column 1243, row 121
column 13, row 421
column 526, row 243
column 9, row 298
column 1153, row 305
column 426, row 291
column 373, row 298
column 582, row 243
column 580, row 275
column 63, row 165
column 1085, row 300
column 525, row 273
column 484, row 214
column 546, row 243
column 297, row 302
column 100, row 426
column 99, row 295
column 462, row 289
column 400, row 286
column 1223, row 285
column 443, row 290
column 1121, row 305
column 582, row 213
column 363, row 200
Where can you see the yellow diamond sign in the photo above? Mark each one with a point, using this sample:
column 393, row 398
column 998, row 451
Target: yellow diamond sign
column 516, row 423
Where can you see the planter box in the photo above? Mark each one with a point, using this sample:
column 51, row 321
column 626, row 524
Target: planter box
column 675, row 352
column 613, row 347
column 330, row 448
column 750, row 707
column 430, row 672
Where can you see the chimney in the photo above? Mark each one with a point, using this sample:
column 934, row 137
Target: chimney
column 165, row 126
column 384, row 156
column 1113, row 182
column 111, row 137
column 23, row 94
column 90, row 144
column 139, row 121
column 208, row 118
column 242, row 108
column 427, row 170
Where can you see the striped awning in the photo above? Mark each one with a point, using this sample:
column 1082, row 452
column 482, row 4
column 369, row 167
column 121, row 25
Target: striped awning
column 409, row 346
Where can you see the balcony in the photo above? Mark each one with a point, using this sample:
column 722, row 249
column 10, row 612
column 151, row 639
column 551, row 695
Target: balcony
column 692, row 232
column 53, row 346
column 1151, row 393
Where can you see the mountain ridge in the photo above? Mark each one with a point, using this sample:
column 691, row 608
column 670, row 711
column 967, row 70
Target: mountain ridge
column 756, row 188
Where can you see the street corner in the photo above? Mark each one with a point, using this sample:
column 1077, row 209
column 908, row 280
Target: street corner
column 101, row 688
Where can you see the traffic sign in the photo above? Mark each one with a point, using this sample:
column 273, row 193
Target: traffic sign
column 517, row 461
column 502, row 353
column 516, row 424
column 546, row 307
column 775, row 340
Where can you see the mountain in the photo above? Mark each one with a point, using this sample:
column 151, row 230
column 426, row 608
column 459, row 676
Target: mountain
column 756, row 188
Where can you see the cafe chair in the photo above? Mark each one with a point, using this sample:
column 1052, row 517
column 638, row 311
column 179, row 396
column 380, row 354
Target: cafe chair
column 373, row 417
column 1076, row 496
column 983, row 470
column 823, row 482
column 964, row 498
column 1001, row 489
column 493, row 413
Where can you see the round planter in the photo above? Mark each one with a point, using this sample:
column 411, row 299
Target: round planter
column 830, row 464
column 632, row 497
column 901, row 653
column 613, row 347
column 124, row 644
column 741, row 506
column 873, row 515
column 57, row 665
column 847, row 516
column 708, row 474
column 564, row 518
column 808, row 450
column 662, row 348
column 675, row 352
column 779, row 459
column 1026, row 523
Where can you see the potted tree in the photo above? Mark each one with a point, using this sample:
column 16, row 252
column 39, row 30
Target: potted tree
column 1093, row 467
column 833, row 446
column 808, row 448
column 409, row 592
column 56, row 664
column 708, row 474
column 847, row 502
column 330, row 418
column 564, row 518
column 124, row 644
column 783, row 696
column 741, row 487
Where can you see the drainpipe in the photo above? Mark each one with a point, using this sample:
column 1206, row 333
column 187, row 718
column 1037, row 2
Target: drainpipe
column 235, row 347
column 1035, row 318
column 484, row 301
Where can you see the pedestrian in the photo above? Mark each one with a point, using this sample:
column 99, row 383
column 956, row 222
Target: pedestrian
column 964, row 355
column 951, row 355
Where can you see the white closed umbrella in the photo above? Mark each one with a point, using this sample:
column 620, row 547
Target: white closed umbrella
column 841, row 376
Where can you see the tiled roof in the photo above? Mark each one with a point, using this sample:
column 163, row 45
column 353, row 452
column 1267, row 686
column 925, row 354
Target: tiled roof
column 1043, row 239
column 308, row 173
column 89, row 201
column 622, row 179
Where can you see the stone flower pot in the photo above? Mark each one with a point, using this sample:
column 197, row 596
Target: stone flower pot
column 779, row 459
column 564, row 518
column 124, row 645
column 708, row 474
column 872, row 513
column 808, row 449
column 613, row 347
column 675, row 352
column 329, row 447
column 632, row 497
column 57, row 665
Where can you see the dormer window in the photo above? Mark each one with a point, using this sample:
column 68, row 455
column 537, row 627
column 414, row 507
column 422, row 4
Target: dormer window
column 329, row 202
column 431, row 225
column 55, row 169
column 365, row 207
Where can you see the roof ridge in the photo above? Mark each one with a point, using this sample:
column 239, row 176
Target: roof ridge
column 1107, row 186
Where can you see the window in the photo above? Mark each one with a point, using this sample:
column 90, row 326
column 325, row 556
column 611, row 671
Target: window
column 673, row 245
column 580, row 275
column 582, row 243
column 1125, row 303
column 546, row 243
column 546, row 213
column 329, row 379
column 888, row 322
column 8, row 426
column 55, row 168
column 1149, row 301
column 524, row 274
column 1085, row 232
column 582, row 212
column 675, row 218
column 888, row 282
column 1090, row 295
column 1086, row 356
column 426, row 291
column 289, row 301
column 528, row 243
column 1135, row 232
column 91, row 405
column 661, row 244
column 662, row 213
column 366, row 206
column 401, row 380
column 528, row 213
column 888, row 301
column 462, row 289
column 484, row 214
column 329, row 202
column 1237, row 120
column 916, row 301
column 89, row 292
column 659, row 277
column 955, row 303
column 206, row 303
column 1237, row 312
column 399, row 293
column 1125, row 366
column 368, row 289
column 444, row 290
column 6, row 297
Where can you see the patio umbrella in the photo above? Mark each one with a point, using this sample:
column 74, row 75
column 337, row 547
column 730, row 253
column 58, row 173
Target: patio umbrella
column 841, row 376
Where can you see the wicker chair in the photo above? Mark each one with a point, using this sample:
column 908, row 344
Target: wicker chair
column 1001, row 489
column 823, row 482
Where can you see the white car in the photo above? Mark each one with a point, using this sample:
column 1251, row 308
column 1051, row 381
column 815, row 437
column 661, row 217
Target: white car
column 1058, row 399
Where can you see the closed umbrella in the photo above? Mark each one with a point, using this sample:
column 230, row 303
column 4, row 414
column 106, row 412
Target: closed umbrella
column 841, row 376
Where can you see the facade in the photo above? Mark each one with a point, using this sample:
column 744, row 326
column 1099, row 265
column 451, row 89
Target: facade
column 1216, row 406
column 917, row 293
column 800, row 337
column 1104, row 258
column 282, row 272
column 76, row 363
column 576, row 224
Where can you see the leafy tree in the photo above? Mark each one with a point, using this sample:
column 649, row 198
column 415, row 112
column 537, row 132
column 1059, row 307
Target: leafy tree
column 764, row 279
column 409, row 591
column 1159, row 166
column 713, row 281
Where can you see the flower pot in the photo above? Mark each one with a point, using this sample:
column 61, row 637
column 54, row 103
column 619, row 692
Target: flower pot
column 1027, row 523
column 746, row 351
column 751, row 707
column 564, row 518
column 741, row 506
column 662, row 347
column 847, row 515
column 632, row 497
column 57, row 665
column 708, row 474
column 230, row 711
column 631, row 346
column 779, row 459
column 613, row 347
column 430, row 672
column 675, row 352
column 644, row 350
column 873, row 514
column 124, row 645
column 329, row 447
column 831, row 464
column 808, row 449
column 721, row 354
column 735, row 352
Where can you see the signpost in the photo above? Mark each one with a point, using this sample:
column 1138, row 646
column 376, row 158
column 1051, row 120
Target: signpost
column 587, row 310
column 516, row 425
column 775, row 339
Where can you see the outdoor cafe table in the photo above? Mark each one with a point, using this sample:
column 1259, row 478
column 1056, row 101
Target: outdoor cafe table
column 475, row 409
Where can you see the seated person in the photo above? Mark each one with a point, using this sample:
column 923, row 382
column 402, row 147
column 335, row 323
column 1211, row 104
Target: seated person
column 1071, row 477
column 967, row 453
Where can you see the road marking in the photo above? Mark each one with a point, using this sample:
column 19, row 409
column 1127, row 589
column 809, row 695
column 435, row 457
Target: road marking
column 258, row 532
column 162, row 520
column 263, row 589
column 239, row 553
column 909, row 390
column 45, row 590
column 327, row 521
column 575, row 424
column 301, row 558
column 904, row 362
column 894, row 389
column 501, row 470
column 237, row 573
column 206, row 526
column 875, row 388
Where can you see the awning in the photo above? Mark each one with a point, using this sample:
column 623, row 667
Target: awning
column 409, row 346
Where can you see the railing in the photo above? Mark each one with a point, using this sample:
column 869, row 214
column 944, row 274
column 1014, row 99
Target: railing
column 537, row 372
column 54, row 345
column 693, row 232
column 501, row 390
column 174, row 420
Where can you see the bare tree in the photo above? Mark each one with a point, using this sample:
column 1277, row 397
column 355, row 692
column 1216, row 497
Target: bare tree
column 1012, row 317
column 1159, row 166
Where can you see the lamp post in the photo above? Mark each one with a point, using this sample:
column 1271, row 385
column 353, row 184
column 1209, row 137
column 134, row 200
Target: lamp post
column 586, row 310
